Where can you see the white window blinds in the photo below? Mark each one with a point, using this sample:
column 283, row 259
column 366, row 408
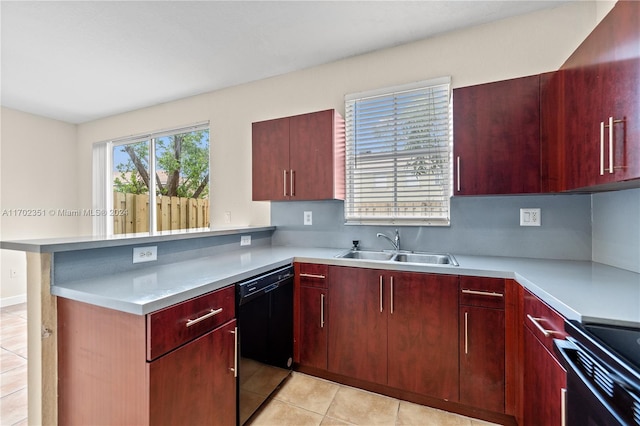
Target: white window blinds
column 398, row 159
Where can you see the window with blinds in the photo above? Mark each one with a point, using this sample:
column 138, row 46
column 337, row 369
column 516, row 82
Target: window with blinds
column 399, row 155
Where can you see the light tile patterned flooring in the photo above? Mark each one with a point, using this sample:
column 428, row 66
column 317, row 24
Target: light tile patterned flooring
column 13, row 365
column 301, row 400
column 306, row 400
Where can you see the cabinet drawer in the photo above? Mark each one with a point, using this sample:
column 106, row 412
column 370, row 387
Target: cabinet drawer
column 545, row 323
column 173, row 326
column 312, row 274
column 481, row 291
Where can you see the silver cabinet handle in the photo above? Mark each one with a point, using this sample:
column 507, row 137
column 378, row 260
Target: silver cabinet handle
column 466, row 333
column 284, row 182
column 391, row 294
column 482, row 293
column 321, row 310
column 211, row 313
column 611, row 140
column 543, row 330
column 563, row 407
column 601, row 148
column 380, row 293
column 293, row 180
column 235, row 352
column 458, row 171
column 610, row 144
column 321, row 277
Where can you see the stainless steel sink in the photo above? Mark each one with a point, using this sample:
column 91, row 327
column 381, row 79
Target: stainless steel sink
column 429, row 258
column 366, row 255
column 424, row 258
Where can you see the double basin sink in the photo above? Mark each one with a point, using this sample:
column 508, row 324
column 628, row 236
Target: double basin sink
column 401, row 256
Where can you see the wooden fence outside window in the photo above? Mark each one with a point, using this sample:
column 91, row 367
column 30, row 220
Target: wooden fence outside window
column 173, row 213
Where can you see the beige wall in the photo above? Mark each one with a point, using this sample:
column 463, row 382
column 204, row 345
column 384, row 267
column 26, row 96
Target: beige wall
column 38, row 171
column 59, row 159
column 514, row 47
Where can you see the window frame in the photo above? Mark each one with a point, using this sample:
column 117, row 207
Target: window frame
column 103, row 185
column 395, row 156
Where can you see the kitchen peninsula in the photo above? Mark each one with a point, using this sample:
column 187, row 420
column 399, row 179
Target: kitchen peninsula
column 101, row 273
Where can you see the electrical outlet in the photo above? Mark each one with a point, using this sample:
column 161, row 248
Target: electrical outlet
column 530, row 217
column 245, row 240
column 227, row 217
column 308, row 218
column 145, row 254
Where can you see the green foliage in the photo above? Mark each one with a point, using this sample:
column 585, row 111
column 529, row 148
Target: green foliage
column 182, row 166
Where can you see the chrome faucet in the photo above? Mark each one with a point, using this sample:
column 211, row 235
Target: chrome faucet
column 395, row 241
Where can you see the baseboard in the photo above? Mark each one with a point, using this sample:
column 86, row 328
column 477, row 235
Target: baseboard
column 13, row 300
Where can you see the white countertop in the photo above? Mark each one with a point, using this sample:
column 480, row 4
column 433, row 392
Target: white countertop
column 583, row 291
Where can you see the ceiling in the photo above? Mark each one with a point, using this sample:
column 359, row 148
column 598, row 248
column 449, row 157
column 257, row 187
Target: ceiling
column 78, row 61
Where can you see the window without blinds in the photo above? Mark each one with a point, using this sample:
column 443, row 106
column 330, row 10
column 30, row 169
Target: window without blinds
column 399, row 154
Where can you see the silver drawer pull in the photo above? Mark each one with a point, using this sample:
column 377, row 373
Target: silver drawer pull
column 322, row 277
column 235, row 352
column 482, row 293
column 213, row 312
column 535, row 321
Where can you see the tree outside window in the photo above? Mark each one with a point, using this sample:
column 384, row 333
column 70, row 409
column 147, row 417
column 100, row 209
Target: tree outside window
column 178, row 175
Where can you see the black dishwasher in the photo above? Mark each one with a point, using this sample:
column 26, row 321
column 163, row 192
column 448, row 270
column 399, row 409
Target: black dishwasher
column 265, row 327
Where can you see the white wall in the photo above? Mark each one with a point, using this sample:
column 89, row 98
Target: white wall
column 514, row 47
column 38, row 172
column 47, row 164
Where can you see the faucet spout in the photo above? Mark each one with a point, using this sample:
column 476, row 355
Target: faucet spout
column 395, row 242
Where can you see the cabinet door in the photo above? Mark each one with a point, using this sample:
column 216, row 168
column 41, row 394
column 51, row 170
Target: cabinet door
column 621, row 90
column 358, row 324
column 602, row 80
column 423, row 334
column 497, row 137
column 544, row 384
column 195, row 384
column 313, row 327
column 482, row 357
column 270, row 160
column 583, row 89
column 312, row 152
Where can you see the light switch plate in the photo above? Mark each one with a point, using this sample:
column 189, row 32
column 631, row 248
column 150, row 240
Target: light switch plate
column 530, row 217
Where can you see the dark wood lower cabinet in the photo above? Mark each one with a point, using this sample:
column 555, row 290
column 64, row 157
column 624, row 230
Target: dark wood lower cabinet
column 195, row 384
column 403, row 334
column 544, row 384
column 105, row 376
column 358, row 324
column 313, row 327
column 482, row 357
column 422, row 334
column 395, row 328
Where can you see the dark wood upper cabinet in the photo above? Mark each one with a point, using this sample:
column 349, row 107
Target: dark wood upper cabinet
column 299, row 157
column 496, row 131
column 601, row 108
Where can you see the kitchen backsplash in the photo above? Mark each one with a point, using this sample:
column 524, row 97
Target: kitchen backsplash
column 479, row 226
column 603, row 227
column 616, row 229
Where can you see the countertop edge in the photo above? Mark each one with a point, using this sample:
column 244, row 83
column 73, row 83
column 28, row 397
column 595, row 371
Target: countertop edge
column 55, row 245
